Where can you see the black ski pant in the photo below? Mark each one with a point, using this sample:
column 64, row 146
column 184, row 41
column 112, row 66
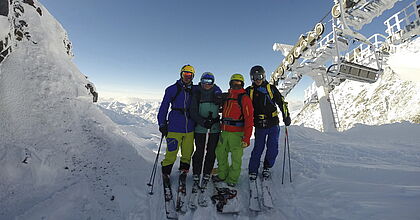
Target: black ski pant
column 200, row 146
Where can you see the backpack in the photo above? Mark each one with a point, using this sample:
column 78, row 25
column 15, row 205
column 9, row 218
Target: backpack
column 239, row 99
column 270, row 96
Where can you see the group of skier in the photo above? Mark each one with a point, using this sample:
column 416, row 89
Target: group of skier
column 194, row 117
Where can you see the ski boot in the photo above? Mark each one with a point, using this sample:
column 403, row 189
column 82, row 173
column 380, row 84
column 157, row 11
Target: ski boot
column 266, row 174
column 252, row 176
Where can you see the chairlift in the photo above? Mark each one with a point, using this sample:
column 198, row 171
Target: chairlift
column 348, row 69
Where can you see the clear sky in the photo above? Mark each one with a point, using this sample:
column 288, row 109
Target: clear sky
column 137, row 47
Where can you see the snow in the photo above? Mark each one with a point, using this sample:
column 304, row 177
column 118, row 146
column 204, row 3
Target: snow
column 87, row 161
column 4, row 27
column 406, row 61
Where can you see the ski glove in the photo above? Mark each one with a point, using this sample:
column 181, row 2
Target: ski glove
column 216, row 120
column 287, row 121
column 220, row 98
column 208, row 123
column 164, row 130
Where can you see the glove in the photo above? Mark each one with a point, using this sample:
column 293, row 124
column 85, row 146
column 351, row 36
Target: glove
column 208, row 123
column 220, row 98
column 244, row 144
column 164, row 130
column 287, row 121
column 216, row 120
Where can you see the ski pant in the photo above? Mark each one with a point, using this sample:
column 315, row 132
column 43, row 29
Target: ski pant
column 200, row 145
column 229, row 142
column 261, row 141
column 175, row 140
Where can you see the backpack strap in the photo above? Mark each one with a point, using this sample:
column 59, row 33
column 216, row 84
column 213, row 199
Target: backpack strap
column 179, row 89
column 270, row 92
column 251, row 93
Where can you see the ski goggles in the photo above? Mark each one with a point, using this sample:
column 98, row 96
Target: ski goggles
column 206, row 81
column 259, row 77
column 187, row 75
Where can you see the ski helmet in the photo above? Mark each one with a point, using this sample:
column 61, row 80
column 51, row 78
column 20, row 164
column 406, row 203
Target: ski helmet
column 187, row 69
column 207, row 78
column 237, row 77
column 257, row 73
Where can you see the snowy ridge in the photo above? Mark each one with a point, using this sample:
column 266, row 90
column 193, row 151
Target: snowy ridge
column 137, row 109
column 385, row 101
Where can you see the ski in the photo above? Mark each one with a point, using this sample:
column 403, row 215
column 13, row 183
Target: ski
column 254, row 200
column 194, row 193
column 169, row 201
column 182, row 193
column 225, row 198
column 266, row 192
column 203, row 197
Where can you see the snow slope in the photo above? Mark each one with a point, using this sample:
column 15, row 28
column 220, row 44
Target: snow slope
column 61, row 157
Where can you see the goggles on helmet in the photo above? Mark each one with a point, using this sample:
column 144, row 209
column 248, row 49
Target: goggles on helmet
column 207, row 81
column 187, row 75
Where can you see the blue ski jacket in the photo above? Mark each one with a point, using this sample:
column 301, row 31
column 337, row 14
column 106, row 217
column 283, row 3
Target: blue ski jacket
column 178, row 97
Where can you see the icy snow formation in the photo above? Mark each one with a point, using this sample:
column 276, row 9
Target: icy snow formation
column 61, row 157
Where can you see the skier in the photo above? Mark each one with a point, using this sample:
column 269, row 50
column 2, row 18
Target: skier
column 178, row 127
column 204, row 111
column 237, row 122
column 266, row 121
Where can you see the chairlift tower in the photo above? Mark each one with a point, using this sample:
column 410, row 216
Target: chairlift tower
column 329, row 60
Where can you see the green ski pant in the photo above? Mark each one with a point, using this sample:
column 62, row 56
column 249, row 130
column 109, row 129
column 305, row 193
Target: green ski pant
column 175, row 140
column 229, row 142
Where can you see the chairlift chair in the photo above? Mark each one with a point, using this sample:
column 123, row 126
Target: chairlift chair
column 348, row 69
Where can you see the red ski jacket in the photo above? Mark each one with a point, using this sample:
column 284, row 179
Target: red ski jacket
column 235, row 120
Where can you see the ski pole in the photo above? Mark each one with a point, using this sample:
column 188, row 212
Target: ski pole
column 284, row 156
column 288, row 152
column 153, row 174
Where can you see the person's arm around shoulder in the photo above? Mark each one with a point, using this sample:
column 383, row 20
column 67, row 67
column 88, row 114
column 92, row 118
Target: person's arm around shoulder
column 194, row 108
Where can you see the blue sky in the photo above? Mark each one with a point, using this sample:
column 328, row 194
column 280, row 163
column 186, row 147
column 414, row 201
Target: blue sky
column 138, row 47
